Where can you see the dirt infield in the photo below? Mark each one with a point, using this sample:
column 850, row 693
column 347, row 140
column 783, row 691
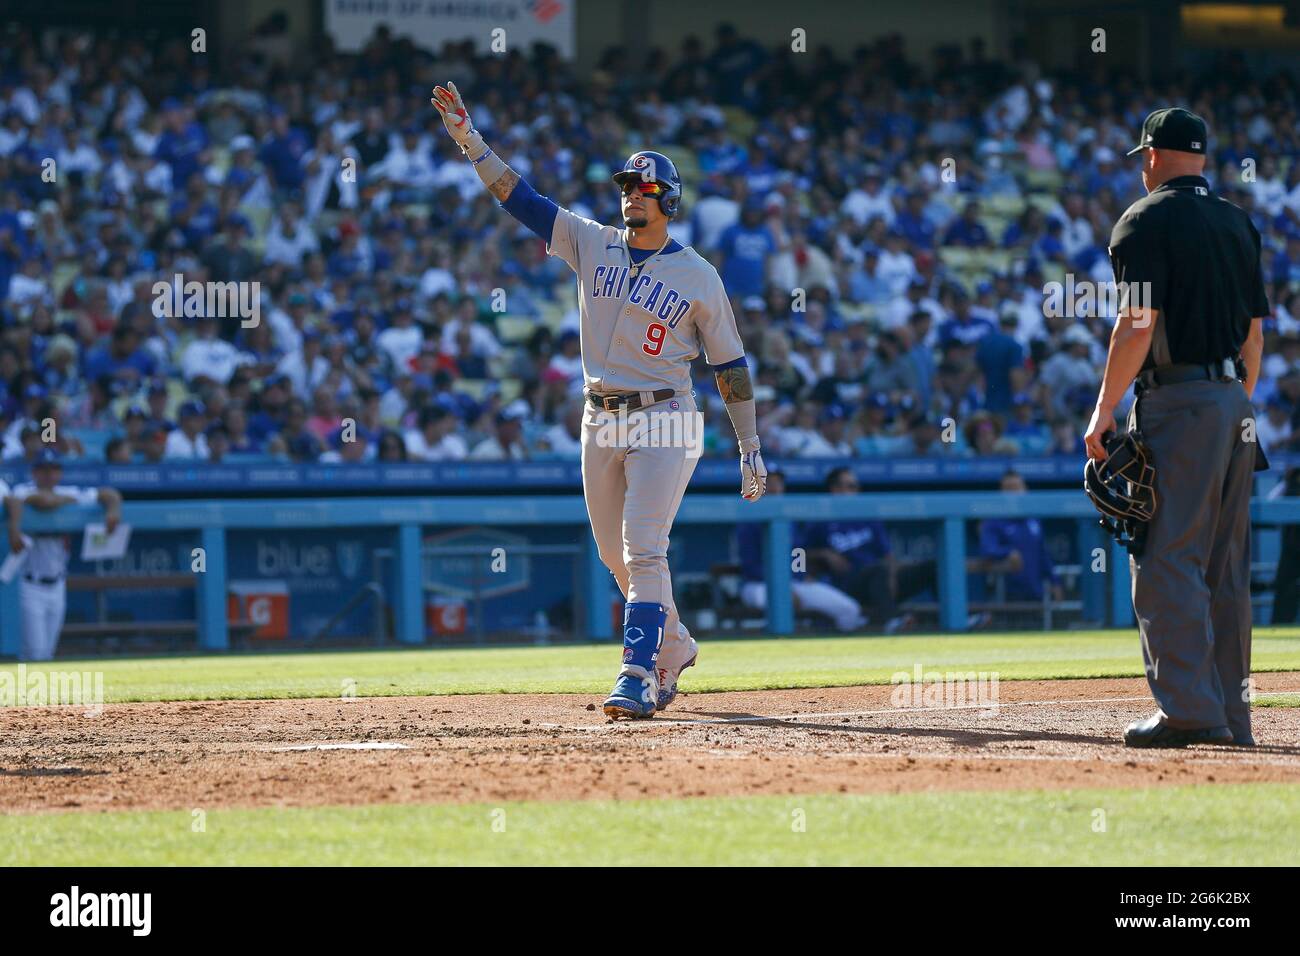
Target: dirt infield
column 1044, row 734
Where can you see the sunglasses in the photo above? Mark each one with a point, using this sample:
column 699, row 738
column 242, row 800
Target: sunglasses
column 645, row 189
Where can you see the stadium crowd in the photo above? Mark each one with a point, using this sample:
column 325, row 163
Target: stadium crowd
column 887, row 234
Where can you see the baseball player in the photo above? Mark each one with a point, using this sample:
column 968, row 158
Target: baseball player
column 648, row 306
column 43, row 591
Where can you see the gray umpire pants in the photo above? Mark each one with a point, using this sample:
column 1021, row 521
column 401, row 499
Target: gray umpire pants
column 1191, row 586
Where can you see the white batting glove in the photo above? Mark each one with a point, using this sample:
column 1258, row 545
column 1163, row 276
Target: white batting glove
column 753, row 475
column 446, row 100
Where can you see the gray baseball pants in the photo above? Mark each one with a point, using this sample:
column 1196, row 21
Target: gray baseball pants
column 1191, row 584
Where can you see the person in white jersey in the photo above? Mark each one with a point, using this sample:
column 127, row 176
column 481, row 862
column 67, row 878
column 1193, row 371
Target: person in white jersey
column 43, row 589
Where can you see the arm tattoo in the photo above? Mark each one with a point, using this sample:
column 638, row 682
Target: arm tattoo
column 505, row 185
column 734, row 384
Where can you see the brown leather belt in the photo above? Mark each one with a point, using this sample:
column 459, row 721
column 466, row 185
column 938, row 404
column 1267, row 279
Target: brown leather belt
column 630, row 401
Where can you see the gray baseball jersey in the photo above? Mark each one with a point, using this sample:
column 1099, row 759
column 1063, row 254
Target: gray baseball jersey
column 642, row 326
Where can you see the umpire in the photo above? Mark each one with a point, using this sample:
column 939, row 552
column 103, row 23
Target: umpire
column 1191, row 335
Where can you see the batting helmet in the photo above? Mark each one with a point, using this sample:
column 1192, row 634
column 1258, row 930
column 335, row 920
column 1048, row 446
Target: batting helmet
column 1123, row 487
column 652, row 167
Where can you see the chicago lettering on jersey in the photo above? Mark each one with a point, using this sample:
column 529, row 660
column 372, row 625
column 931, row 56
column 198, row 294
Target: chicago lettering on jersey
column 663, row 302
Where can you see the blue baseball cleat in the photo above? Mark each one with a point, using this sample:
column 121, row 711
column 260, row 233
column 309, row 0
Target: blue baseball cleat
column 633, row 697
column 636, row 692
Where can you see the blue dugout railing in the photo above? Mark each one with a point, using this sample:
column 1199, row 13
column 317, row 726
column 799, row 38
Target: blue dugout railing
column 1106, row 596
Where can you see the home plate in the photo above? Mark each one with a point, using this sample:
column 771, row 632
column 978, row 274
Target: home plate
column 363, row 745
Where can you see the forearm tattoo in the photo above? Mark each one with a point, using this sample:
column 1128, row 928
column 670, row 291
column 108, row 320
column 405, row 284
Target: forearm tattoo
column 734, row 384
column 504, row 185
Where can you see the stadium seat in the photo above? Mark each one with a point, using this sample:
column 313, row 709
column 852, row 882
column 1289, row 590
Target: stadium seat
column 553, row 314
column 220, row 159
column 513, row 329
column 1004, row 206
column 740, row 123
column 1044, row 180
column 956, row 257
column 260, row 218
column 64, row 273
column 475, row 388
column 511, row 388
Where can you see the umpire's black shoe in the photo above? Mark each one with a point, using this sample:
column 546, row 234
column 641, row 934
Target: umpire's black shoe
column 1154, row 732
column 1243, row 740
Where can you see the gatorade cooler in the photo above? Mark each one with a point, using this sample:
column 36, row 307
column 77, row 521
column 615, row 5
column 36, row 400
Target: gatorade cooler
column 445, row 616
column 265, row 603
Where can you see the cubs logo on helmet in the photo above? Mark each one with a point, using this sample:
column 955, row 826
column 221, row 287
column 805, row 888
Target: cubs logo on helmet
column 652, row 167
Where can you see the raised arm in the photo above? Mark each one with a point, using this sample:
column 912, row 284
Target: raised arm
column 499, row 178
column 111, row 500
column 516, row 196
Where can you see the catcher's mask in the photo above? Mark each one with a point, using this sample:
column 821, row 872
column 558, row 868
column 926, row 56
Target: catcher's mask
column 1123, row 487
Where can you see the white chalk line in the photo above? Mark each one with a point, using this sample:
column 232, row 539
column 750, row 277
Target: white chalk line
column 364, row 745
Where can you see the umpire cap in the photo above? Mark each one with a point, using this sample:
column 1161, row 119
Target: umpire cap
column 1173, row 128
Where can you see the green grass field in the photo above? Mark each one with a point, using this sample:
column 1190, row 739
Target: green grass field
column 1249, row 824
column 1214, row 825
column 735, row 664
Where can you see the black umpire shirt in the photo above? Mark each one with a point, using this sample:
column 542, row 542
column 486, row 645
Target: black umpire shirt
column 1200, row 255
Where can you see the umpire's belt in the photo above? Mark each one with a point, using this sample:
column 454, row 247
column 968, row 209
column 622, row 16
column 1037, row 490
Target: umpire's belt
column 35, row 580
column 631, row 402
column 1224, row 370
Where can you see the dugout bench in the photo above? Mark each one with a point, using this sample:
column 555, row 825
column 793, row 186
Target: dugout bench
column 241, row 627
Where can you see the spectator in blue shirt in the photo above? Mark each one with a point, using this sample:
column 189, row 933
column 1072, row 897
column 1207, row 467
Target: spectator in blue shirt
column 1016, row 549
column 1030, row 435
column 1286, row 264
column 963, row 327
column 734, row 64
column 745, row 248
column 999, row 357
column 122, row 359
column 181, row 145
column 282, row 154
column 921, row 353
column 968, row 230
column 865, row 285
column 913, row 222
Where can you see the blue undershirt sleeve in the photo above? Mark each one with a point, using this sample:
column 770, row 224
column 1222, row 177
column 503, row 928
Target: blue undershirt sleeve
column 532, row 209
column 734, row 363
